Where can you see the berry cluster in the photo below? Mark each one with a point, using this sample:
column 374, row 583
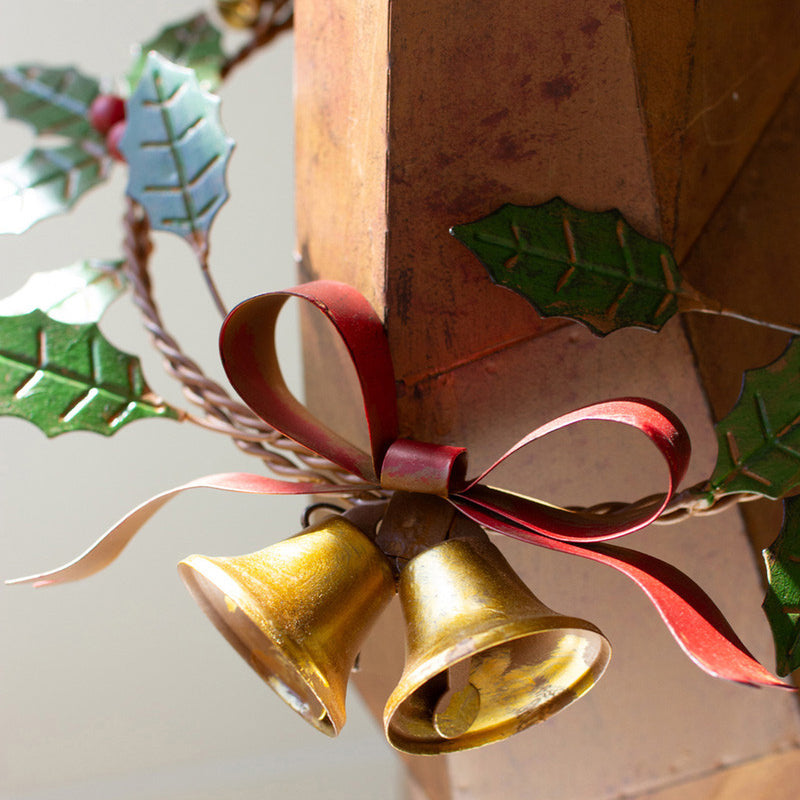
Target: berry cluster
column 107, row 115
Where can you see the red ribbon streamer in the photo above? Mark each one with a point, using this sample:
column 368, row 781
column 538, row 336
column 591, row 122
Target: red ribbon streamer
column 247, row 345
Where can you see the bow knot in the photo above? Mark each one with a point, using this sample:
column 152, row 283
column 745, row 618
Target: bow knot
column 412, row 466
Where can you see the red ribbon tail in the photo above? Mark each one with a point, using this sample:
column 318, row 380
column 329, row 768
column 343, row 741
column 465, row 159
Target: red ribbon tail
column 690, row 615
column 115, row 539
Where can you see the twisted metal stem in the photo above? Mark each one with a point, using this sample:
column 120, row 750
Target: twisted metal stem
column 692, row 502
column 221, row 413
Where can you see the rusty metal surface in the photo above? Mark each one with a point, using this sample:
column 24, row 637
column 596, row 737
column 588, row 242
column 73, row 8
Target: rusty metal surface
column 710, row 77
column 562, row 118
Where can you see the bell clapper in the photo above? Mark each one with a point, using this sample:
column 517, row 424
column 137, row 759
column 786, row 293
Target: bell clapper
column 458, row 707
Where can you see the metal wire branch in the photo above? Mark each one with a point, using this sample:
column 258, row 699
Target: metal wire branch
column 221, row 413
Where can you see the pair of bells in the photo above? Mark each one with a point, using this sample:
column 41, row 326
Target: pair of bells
column 484, row 657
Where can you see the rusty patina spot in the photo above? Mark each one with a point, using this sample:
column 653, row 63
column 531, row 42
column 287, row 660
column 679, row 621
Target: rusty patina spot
column 560, row 88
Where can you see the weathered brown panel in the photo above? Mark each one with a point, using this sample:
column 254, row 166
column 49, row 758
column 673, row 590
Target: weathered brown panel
column 513, row 104
column 747, row 258
column 663, row 37
column 773, row 776
column 711, row 75
column 340, row 141
column 517, row 103
column 746, row 57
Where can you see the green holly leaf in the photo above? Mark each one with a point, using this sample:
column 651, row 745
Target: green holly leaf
column 193, row 43
column 77, row 294
column 588, row 266
column 782, row 602
column 48, row 181
column 51, row 100
column 759, row 441
column 68, row 377
column 177, row 151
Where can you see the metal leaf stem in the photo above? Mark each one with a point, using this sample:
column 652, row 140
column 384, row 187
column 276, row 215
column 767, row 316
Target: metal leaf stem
column 222, row 414
column 280, row 18
column 691, row 502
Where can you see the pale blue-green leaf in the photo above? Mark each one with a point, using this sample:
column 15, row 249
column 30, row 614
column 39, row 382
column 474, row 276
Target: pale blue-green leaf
column 77, row 294
column 177, row 151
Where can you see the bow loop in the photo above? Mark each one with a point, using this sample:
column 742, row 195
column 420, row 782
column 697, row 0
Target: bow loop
column 247, row 347
column 658, row 423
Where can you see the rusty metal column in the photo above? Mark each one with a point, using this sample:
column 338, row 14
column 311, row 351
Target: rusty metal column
column 414, row 116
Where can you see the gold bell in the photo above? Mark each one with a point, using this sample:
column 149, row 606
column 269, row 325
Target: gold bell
column 240, row 13
column 484, row 657
column 298, row 611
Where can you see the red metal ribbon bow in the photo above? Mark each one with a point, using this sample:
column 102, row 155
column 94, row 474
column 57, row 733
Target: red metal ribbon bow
column 247, row 344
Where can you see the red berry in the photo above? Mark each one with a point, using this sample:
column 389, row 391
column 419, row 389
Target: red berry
column 105, row 111
column 112, row 140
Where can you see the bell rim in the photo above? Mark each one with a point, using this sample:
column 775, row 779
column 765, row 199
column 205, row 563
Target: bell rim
column 478, row 643
column 335, row 715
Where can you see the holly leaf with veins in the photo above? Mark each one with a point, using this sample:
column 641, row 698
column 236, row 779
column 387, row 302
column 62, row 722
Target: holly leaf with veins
column 177, row 151
column 193, row 43
column 782, row 602
column 759, row 441
column 69, row 377
column 48, row 181
column 77, row 294
column 53, row 101
column 589, row 266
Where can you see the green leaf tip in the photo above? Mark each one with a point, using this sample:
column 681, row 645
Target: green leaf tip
column 193, row 43
column 759, row 440
column 77, row 294
column 782, row 601
column 48, row 181
column 589, row 266
column 52, row 100
column 65, row 377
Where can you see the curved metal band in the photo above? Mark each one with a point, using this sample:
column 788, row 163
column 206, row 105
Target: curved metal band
column 412, row 466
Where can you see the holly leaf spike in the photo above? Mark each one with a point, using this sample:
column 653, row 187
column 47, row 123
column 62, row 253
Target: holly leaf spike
column 48, row 181
column 50, row 100
column 759, row 441
column 193, row 43
column 69, row 377
column 782, row 602
column 77, row 294
column 177, row 151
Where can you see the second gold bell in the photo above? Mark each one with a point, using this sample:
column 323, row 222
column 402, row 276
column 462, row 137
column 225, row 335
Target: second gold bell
column 484, row 657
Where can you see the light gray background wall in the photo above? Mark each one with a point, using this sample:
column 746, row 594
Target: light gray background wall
column 118, row 687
